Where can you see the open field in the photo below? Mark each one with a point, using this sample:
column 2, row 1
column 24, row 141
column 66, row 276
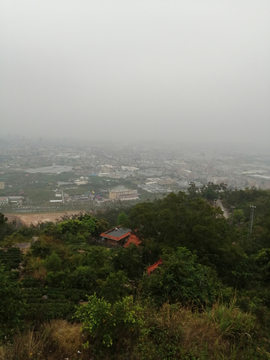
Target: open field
column 28, row 219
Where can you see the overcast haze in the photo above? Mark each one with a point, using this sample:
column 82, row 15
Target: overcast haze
column 182, row 71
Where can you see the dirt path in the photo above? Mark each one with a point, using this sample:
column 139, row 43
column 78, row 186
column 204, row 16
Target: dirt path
column 28, row 219
column 15, row 218
column 225, row 211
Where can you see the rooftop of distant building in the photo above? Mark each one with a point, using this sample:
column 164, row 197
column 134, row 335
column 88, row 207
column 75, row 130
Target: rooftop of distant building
column 154, row 266
column 133, row 239
column 117, row 233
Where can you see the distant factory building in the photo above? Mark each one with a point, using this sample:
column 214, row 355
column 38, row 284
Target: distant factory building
column 4, row 200
column 167, row 181
column 123, row 195
column 2, row 185
column 16, row 199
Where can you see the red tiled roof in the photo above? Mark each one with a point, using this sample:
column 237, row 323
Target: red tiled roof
column 153, row 267
column 116, row 238
column 133, row 239
column 113, row 237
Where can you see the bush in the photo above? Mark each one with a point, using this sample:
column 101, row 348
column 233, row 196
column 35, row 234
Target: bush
column 177, row 332
column 181, row 279
column 107, row 325
column 11, row 258
column 12, row 305
column 53, row 262
column 127, row 331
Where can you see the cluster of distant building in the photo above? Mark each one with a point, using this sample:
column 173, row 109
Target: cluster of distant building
column 114, row 195
column 15, row 200
column 123, row 195
column 157, row 185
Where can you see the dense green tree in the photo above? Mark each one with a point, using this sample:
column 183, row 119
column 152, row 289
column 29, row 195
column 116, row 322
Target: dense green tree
column 84, row 277
column 181, row 278
column 211, row 191
column 73, row 229
column 5, row 227
column 106, row 324
column 58, row 279
column 193, row 191
column 53, row 262
column 129, row 260
column 12, row 305
column 262, row 259
column 41, row 249
column 102, row 225
column 111, row 215
column 97, row 257
column 177, row 220
column 115, row 287
column 238, row 215
column 122, row 218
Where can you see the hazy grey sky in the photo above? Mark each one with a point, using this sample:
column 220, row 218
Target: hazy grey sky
column 173, row 70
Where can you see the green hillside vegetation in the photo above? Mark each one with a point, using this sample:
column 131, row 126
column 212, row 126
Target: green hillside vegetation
column 69, row 296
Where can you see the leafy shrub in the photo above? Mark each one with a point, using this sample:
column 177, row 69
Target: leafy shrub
column 11, row 258
column 58, row 279
column 181, row 278
column 29, row 281
column 106, row 325
column 53, row 262
column 11, row 305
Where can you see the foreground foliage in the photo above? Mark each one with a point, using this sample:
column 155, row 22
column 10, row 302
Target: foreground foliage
column 210, row 299
column 141, row 332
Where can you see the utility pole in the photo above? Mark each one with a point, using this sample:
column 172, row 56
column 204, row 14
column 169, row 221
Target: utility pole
column 252, row 208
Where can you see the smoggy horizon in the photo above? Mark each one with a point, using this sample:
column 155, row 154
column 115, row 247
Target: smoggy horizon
column 172, row 72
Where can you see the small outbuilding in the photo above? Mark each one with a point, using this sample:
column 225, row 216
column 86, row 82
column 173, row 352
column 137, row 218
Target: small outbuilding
column 154, row 266
column 119, row 236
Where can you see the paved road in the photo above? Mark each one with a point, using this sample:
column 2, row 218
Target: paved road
column 225, row 211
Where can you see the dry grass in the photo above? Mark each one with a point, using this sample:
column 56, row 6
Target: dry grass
column 233, row 323
column 35, row 219
column 193, row 330
column 223, row 333
column 67, row 336
column 2, row 353
column 199, row 333
column 55, row 340
column 173, row 332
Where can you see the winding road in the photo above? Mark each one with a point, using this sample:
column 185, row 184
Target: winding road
column 225, row 211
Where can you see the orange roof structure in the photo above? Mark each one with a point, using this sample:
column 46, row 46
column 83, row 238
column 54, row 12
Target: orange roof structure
column 117, row 233
column 133, row 239
column 153, row 267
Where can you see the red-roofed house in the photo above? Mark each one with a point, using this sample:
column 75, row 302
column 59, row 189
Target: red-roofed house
column 133, row 239
column 153, row 267
column 117, row 236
